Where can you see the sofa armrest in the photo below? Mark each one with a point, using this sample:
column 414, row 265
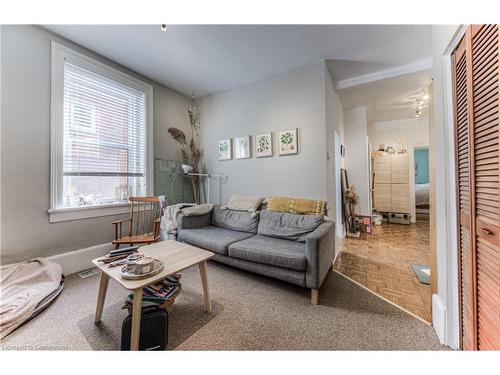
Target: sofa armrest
column 320, row 252
column 193, row 222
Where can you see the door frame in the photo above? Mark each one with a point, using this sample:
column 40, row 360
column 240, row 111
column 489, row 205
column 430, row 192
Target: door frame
column 337, row 143
column 446, row 304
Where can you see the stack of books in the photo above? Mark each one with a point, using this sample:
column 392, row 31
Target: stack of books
column 118, row 255
column 159, row 293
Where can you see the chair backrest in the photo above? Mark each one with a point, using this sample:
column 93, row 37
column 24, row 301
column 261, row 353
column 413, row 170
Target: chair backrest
column 144, row 211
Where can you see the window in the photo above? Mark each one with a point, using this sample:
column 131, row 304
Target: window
column 101, row 129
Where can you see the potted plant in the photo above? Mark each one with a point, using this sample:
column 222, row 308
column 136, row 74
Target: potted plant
column 352, row 198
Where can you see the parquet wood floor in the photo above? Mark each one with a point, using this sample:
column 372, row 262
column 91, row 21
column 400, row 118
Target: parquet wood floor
column 381, row 262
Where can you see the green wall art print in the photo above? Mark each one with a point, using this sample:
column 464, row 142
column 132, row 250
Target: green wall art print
column 288, row 142
column 225, row 149
column 264, row 145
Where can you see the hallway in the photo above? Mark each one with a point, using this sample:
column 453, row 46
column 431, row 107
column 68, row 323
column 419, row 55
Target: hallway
column 381, row 262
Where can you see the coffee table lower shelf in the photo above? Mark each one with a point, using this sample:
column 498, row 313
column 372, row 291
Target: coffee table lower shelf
column 177, row 257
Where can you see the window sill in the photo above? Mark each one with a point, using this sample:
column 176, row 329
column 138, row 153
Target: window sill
column 57, row 215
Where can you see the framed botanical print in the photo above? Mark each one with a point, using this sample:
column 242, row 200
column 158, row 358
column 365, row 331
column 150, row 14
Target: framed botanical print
column 288, row 142
column 242, row 147
column 264, row 145
column 225, row 149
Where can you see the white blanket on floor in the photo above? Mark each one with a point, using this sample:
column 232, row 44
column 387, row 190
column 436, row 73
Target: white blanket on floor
column 22, row 287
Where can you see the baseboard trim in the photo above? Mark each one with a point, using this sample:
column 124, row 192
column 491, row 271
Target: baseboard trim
column 385, row 299
column 337, row 252
column 79, row 260
column 439, row 318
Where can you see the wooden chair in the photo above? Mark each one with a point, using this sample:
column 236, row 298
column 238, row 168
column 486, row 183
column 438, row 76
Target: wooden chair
column 143, row 222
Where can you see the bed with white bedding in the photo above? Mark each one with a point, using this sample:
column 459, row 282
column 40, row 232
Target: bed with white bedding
column 421, row 195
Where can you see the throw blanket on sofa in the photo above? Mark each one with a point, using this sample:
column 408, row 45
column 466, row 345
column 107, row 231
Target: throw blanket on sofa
column 22, row 287
column 168, row 223
column 169, row 220
column 297, row 205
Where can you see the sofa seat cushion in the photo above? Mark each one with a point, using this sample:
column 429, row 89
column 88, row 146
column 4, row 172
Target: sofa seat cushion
column 212, row 238
column 288, row 226
column 271, row 251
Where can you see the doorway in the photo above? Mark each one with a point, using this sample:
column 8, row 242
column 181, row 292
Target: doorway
column 422, row 185
column 392, row 258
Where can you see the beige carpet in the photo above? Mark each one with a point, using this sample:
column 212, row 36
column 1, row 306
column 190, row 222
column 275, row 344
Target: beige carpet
column 251, row 312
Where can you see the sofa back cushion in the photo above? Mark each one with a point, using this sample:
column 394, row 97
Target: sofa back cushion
column 236, row 220
column 288, row 226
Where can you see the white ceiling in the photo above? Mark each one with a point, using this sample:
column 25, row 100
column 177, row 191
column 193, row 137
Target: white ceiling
column 389, row 99
column 213, row 58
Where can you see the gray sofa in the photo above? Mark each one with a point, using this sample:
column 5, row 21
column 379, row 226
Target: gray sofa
column 295, row 248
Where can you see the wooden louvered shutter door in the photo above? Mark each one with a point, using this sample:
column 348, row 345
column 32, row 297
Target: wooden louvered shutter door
column 477, row 97
column 485, row 93
column 464, row 195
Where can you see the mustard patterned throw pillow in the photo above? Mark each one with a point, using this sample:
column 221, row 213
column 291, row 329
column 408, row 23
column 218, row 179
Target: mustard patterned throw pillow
column 297, row 205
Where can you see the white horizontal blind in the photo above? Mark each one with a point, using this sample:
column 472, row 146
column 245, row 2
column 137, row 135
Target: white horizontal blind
column 104, row 126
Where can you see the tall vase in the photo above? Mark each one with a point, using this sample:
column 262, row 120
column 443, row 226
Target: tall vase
column 196, row 189
column 352, row 219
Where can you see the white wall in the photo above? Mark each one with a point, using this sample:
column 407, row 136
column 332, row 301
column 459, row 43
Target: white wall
column 357, row 160
column 334, row 123
column 295, row 99
column 416, row 131
column 445, row 303
column 170, row 110
column 25, row 148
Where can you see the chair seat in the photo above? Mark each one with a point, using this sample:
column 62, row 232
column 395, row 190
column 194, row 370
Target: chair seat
column 143, row 238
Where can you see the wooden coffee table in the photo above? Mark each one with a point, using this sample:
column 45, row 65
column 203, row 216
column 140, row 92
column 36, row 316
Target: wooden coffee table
column 176, row 256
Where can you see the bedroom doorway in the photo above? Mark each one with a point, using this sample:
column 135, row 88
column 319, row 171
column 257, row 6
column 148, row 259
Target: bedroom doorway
column 422, row 200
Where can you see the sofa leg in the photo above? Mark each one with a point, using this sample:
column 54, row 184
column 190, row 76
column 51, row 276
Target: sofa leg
column 314, row 296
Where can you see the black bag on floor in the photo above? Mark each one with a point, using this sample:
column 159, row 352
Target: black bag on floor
column 154, row 330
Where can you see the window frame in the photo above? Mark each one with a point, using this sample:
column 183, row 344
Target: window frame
column 60, row 54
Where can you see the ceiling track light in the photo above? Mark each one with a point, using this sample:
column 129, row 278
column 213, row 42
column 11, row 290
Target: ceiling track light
column 420, row 104
column 424, row 95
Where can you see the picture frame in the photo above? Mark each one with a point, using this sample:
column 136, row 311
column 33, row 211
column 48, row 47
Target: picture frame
column 288, row 142
column 264, row 145
column 242, row 147
column 225, row 149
